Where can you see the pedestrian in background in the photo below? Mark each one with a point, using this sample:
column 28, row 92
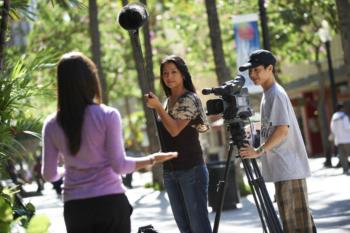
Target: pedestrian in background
column 340, row 127
column 88, row 134
column 185, row 177
column 282, row 150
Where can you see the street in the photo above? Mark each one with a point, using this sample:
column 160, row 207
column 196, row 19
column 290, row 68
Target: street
column 329, row 197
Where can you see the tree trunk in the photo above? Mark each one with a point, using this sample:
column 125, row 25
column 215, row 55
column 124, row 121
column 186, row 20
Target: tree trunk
column 96, row 46
column 265, row 31
column 3, row 28
column 343, row 7
column 222, row 71
column 264, row 28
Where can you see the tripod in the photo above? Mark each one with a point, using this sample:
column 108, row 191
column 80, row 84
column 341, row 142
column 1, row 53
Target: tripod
column 267, row 214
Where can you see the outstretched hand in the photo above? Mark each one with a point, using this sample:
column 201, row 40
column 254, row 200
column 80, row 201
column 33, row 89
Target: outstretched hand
column 160, row 157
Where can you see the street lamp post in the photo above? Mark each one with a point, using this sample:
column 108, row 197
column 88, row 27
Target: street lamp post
column 325, row 36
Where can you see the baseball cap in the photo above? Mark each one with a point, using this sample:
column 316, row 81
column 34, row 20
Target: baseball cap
column 257, row 58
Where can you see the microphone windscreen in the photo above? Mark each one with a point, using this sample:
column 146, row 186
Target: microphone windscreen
column 207, row 91
column 132, row 16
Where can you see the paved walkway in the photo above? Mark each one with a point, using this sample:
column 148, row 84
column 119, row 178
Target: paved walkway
column 329, row 194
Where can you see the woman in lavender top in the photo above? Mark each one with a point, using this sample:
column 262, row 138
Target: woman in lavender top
column 87, row 135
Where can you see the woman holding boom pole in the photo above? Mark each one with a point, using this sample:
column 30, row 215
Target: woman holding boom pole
column 185, row 177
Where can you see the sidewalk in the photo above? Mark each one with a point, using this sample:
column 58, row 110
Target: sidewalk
column 329, row 197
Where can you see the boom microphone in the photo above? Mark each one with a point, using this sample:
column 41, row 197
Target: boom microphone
column 132, row 16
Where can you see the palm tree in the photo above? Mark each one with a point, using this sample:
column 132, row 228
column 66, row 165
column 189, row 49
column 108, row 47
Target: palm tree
column 222, row 71
column 3, row 28
column 96, row 46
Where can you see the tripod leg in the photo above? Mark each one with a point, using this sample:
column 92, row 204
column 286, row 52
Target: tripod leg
column 250, row 177
column 272, row 216
column 222, row 190
column 262, row 199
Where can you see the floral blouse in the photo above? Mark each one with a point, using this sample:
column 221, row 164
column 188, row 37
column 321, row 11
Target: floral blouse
column 189, row 107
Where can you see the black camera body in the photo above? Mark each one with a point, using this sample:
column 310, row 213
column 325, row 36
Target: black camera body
column 234, row 101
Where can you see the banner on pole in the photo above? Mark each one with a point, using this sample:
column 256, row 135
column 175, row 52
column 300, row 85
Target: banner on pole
column 246, row 36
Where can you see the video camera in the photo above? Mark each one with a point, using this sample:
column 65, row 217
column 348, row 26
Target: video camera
column 234, row 102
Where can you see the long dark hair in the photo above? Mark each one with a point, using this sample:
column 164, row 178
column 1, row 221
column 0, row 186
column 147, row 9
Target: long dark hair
column 77, row 87
column 182, row 67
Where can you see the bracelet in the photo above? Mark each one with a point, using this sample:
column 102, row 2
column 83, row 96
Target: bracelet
column 260, row 149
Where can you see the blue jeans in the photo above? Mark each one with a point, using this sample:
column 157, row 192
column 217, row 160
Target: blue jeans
column 188, row 195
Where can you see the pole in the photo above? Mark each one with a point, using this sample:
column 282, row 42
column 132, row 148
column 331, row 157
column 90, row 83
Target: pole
column 142, row 69
column 331, row 75
column 333, row 92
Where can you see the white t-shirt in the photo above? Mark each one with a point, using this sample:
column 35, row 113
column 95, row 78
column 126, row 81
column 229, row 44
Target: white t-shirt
column 288, row 160
column 340, row 126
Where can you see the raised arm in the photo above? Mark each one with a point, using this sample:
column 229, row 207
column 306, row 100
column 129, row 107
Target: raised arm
column 173, row 126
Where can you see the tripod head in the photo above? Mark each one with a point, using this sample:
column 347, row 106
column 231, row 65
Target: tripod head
column 237, row 131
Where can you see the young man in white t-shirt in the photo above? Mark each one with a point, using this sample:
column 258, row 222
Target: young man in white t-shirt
column 282, row 150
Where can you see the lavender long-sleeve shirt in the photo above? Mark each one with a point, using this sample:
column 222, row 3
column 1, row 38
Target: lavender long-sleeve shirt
column 95, row 170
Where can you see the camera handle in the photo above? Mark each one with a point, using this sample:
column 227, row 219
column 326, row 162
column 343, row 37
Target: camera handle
column 266, row 211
